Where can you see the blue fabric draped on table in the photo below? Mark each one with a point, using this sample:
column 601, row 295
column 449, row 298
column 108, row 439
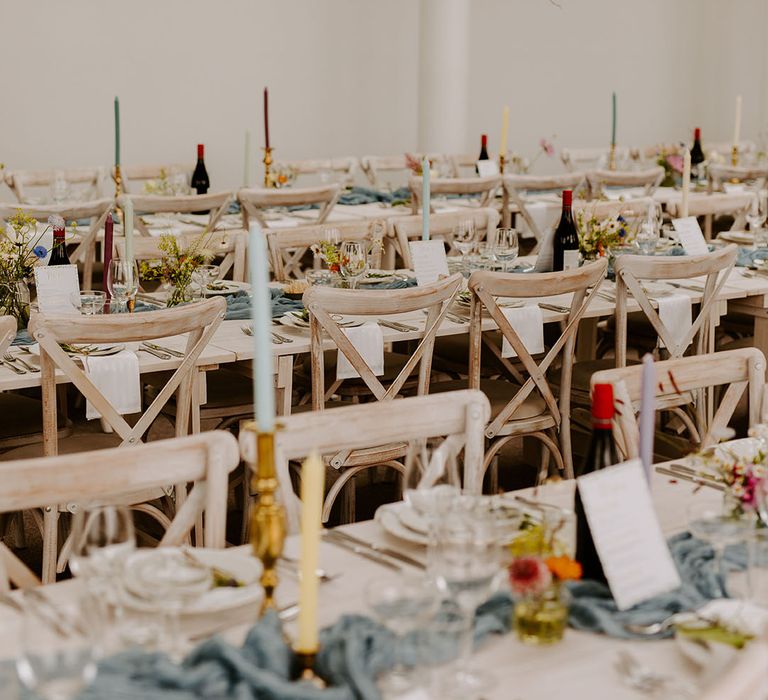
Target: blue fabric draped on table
column 365, row 195
column 593, row 609
column 353, row 652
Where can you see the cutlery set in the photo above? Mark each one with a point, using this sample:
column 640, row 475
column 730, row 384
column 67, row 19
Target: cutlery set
column 389, row 558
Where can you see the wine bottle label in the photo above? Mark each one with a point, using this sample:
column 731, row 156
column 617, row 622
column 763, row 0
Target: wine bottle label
column 570, row 259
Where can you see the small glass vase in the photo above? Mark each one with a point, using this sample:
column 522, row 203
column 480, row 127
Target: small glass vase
column 14, row 301
column 542, row 619
column 179, row 294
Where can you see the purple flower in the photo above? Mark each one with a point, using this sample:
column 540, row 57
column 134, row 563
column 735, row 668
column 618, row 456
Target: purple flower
column 547, row 147
column 40, row 251
column 676, row 163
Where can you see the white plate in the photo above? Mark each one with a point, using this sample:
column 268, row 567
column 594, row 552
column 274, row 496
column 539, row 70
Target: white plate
column 228, row 287
column 388, row 516
column 738, row 236
column 292, row 320
column 244, row 568
column 387, row 276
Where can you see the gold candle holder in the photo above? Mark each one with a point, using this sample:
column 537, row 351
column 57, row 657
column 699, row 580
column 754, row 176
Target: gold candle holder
column 267, row 515
column 304, row 668
column 502, row 162
column 118, row 178
column 269, row 181
column 612, row 157
column 734, row 155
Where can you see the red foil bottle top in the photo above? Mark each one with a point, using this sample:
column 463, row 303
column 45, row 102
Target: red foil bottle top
column 484, row 139
column 697, row 133
column 602, row 402
column 567, row 198
column 58, row 233
column 200, row 150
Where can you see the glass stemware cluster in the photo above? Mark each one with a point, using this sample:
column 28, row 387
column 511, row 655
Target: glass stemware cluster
column 122, row 282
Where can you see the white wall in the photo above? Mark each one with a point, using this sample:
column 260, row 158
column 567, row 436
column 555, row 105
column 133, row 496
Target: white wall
column 344, row 74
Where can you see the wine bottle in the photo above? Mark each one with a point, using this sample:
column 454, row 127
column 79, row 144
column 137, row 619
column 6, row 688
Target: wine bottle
column 200, row 182
column 601, row 453
column 483, row 150
column 59, row 251
column 697, row 154
column 566, row 241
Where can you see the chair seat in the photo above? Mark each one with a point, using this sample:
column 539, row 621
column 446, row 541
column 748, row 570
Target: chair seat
column 583, row 371
column 499, row 394
column 451, row 354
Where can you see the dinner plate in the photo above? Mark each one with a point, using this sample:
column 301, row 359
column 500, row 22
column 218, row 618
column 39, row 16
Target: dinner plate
column 293, row 320
column 388, row 517
column 379, row 277
column 226, row 287
column 738, row 236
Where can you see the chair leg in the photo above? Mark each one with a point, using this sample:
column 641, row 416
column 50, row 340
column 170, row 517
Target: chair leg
column 493, row 475
column 50, row 543
column 349, row 501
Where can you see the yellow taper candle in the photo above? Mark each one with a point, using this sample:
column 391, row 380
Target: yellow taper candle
column 504, row 131
column 312, row 491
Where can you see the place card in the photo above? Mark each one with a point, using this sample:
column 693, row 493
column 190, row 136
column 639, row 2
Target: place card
column 56, row 286
column 429, row 261
column 627, row 535
column 690, row 236
column 487, row 168
column 546, row 257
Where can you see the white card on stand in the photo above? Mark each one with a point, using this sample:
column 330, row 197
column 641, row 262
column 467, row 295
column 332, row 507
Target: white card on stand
column 487, row 168
column 627, row 535
column 57, row 288
column 690, row 235
column 429, row 261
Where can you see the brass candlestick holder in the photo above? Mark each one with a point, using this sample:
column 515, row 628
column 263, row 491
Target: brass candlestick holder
column 267, row 516
column 502, row 162
column 118, row 178
column 612, row 157
column 304, row 668
column 735, row 155
column 269, row 181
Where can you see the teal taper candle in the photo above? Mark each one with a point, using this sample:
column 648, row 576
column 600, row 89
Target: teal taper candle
column 117, row 131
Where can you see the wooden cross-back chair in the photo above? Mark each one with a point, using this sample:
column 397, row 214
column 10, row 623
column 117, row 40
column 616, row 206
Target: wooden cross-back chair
column 529, row 406
column 253, row 201
column 343, row 168
column 484, row 187
column 375, row 166
column 739, row 371
column 134, row 174
column 459, row 416
column 229, row 248
column 725, row 148
column 325, row 302
column 635, row 208
column 288, row 246
column 714, row 205
column 409, row 228
column 649, row 179
column 521, row 191
column 8, row 326
column 20, row 182
column 114, row 476
column 85, row 250
column 719, row 173
column 214, row 202
column 585, row 158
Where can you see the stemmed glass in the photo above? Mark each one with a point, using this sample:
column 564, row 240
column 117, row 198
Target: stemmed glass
column 464, row 239
column 431, row 481
column 354, row 261
column 756, row 217
column 466, row 562
column 202, row 276
column 506, row 248
column 123, row 282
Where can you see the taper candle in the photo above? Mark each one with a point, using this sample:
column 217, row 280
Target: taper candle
column 613, row 119
column 686, row 183
column 504, row 131
column 266, row 118
column 247, row 160
column 109, row 230
column 737, row 124
column 647, row 414
column 261, row 317
column 117, row 131
column 425, row 199
column 312, row 491
column 128, row 228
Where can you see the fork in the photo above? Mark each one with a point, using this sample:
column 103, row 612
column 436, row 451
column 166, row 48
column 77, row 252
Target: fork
column 281, row 338
column 12, row 358
column 650, row 682
column 13, row 367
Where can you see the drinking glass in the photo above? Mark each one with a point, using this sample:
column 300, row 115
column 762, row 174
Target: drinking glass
column 403, row 604
column 354, row 261
column 647, row 238
column 57, row 662
column 89, row 301
column 464, row 239
column 756, row 217
column 202, row 276
column 431, row 481
column 60, row 190
column 506, row 248
column 466, row 562
column 123, row 282
column 332, row 236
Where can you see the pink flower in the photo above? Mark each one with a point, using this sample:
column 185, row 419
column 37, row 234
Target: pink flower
column 676, row 163
column 547, row 147
column 529, row 576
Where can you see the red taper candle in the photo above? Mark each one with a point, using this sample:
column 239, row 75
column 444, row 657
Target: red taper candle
column 266, row 118
column 108, row 233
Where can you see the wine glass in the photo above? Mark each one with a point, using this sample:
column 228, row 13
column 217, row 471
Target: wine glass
column 466, row 561
column 647, row 238
column 756, row 216
column 58, row 661
column 122, row 282
column 402, row 604
column 464, row 239
column 60, row 189
column 202, row 276
column 506, row 248
column 332, row 236
column 431, row 481
column 354, row 261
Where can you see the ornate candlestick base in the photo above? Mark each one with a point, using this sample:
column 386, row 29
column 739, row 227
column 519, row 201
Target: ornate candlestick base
column 734, row 161
column 502, row 162
column 267, row 516
column 304, row 663
column 118, row 178
column 269, row 181
column 612, row 157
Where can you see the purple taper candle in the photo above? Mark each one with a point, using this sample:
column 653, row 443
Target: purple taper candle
column 109, row 225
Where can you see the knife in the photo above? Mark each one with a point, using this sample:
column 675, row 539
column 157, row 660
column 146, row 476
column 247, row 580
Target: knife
column 370, row 554
column 162, row 348
column 386, row 551
column 554, row 307
column 693, row 479
column 402, row 327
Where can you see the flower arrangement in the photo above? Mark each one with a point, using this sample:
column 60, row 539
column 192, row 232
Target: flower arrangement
column 176, row 266
column 282, row 175
column 328, row 253
column 672, row 161
column 166, row 186
column 597, row 236
column 522, row 165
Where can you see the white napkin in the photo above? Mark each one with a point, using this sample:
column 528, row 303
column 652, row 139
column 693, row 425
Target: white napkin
column 117, row 379
column 368, row 340
column 675, row 314
column 528, row 323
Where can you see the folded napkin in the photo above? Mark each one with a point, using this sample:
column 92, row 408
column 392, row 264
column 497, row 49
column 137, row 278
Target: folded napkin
column 528, row 323
column 117, row 379
column 675, row 314
column 368, row 340
column 394, row 284
column 239, row 305
column 23, row 338
column 365, row 195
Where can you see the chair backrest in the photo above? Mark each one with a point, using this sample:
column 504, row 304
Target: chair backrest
column 142, row 173
column 88, row 179
column 8, row 325
column 586, row 158
column 204, row 460
column 328, row 168
column 253, row 201
column 719, row 204
column 325, row 302
column 719, row 173
column 484, row 187
column 287, row 247
column 374, row 166
column 408, row 228
column 631, row 269
column 740, row 370
column 725, row 148
column 648, row 179
column 199, row 320
column 635, row 208
column 519, row 188
column 486, row 287
column 214, row 202
column 458, row 415
column 85, row 251
column 229, row 246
